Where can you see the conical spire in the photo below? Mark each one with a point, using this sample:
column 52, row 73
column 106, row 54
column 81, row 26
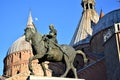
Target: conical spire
column 30, row 21
column 101, row 14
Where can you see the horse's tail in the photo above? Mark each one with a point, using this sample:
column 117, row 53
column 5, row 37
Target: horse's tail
column 83, row 54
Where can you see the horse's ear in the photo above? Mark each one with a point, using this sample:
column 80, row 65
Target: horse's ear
column 25, row 30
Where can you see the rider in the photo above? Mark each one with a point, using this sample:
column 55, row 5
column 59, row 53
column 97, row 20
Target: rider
column 52, row 34
column 51, row 37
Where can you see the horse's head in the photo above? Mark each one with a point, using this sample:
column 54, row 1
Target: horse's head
column 29, row 33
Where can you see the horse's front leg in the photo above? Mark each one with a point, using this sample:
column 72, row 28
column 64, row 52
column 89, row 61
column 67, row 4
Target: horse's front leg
column 30, row 66
column 30, row 62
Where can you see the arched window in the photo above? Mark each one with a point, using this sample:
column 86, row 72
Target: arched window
column 20, row 55
column 18, row 72
column 86, row 6
column 91, row 6
column 118, row 27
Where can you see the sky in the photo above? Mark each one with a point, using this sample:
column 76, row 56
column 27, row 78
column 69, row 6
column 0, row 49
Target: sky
column 64, row 14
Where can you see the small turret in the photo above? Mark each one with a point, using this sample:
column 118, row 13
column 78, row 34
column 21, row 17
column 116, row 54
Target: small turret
column 88, row 4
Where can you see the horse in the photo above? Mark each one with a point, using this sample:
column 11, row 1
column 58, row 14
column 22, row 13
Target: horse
column 66, row 55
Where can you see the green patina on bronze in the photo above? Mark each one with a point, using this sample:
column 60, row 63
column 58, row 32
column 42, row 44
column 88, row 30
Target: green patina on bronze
column 46, row 48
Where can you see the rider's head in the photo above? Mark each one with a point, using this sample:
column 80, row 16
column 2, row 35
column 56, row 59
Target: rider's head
column 51, row 26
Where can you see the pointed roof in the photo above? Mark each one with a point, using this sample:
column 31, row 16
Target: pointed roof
column 101, row 14
column 30, row 21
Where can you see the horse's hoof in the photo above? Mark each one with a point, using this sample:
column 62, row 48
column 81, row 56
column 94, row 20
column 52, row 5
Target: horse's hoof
column 62, row 76
column 32, row 74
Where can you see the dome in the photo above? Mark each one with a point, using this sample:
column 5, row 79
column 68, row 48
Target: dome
column 18, row 45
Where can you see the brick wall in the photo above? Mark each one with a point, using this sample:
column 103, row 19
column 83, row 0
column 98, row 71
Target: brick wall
column 94, row 71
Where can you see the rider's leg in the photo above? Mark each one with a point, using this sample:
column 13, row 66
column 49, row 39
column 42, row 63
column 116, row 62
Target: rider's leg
column 49, row 47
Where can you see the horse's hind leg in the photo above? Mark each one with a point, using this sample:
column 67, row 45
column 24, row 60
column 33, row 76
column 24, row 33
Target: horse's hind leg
column 74, row 70
column 67, row 66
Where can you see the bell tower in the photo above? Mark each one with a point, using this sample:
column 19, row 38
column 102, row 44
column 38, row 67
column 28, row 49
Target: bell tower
column 85, row 26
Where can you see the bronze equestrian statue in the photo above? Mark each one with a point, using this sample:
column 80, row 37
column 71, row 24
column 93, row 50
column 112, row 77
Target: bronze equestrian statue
column 57, row 53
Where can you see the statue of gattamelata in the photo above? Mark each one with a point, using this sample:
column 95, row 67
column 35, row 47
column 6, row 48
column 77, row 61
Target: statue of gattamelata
column 46, row 48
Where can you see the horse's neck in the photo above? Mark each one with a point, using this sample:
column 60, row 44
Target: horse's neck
column 36, row 38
